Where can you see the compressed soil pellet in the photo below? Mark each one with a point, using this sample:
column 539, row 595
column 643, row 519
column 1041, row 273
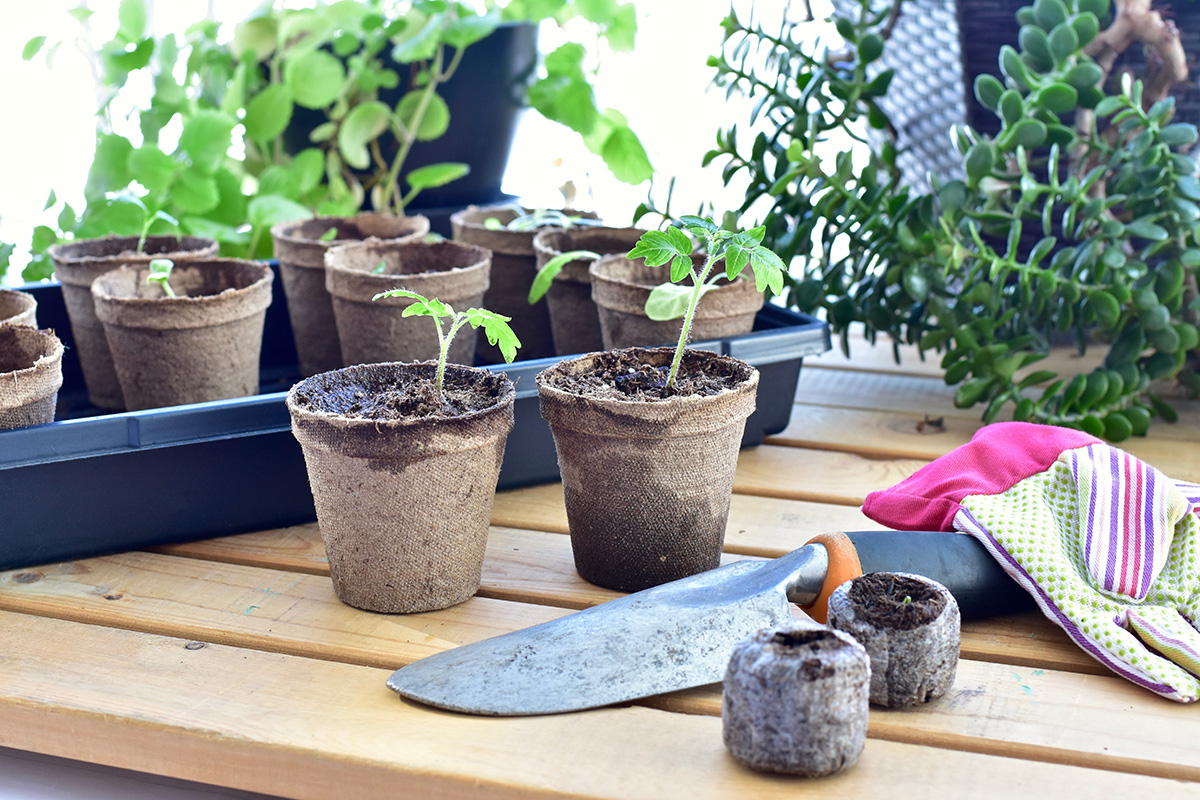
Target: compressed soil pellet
column 795, row 700
column 910, row 627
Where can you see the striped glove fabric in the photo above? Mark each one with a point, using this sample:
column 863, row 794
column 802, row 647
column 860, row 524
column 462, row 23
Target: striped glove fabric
column 1108, row 546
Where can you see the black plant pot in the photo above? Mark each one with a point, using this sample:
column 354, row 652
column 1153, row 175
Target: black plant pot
column 484, row 96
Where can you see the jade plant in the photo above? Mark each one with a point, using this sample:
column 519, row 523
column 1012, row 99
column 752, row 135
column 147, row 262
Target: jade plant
column 494, row 325
column 1080, row 219
column 690, row 282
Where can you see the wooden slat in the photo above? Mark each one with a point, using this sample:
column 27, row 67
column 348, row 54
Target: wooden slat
column 889, row 434
column 299, row 614
column 314, row 729
column 816, row 475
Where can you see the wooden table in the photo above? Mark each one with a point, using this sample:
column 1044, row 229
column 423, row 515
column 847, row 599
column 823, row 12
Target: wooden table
column 231, row 662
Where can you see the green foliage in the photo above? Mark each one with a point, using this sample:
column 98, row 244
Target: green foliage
column 160, row 273
column 230, row 175
column 673, row 246
column 495, row 326
column 1088, row 231
column 545, row 276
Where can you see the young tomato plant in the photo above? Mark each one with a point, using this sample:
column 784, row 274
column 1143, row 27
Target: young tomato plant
column 545, row 277
column 160, row 273
column 671, row 301
column 494, row 325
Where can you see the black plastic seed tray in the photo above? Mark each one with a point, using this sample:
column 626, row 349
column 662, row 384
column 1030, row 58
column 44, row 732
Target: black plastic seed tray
column 94, row 482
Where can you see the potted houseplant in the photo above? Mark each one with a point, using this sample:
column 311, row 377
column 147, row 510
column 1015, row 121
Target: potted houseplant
column 508, row 232
column 181, row 333
column 301, row 247
column 403, row 461
column 77, row 264
column 380, row 330
column 563, row 258
column 647, row 439
column 1076, row 221
column 30, row 375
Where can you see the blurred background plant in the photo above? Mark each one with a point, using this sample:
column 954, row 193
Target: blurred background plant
column 210, row 151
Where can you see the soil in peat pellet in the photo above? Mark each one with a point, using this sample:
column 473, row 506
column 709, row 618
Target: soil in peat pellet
column 622, row 374
column 409, row 395
column 892, row 601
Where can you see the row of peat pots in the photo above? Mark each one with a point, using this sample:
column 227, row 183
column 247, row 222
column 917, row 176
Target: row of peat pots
column 403, row 479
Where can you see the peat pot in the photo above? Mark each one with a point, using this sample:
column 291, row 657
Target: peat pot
column 403, row 498
column 647, row 482
column 372, row 331
column 76, row 265
column 514, row 267
column 18, row 308
column 30, row 375
column 620, row 287
column 202, row 345
column 574, row 322
column 301, row 253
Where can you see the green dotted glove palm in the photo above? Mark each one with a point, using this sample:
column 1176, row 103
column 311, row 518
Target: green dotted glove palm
column 1107, row 545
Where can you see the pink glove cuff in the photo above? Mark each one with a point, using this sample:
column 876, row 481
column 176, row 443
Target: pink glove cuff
column 997, row 457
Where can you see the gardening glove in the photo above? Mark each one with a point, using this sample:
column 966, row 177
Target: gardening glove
column 1107, row 545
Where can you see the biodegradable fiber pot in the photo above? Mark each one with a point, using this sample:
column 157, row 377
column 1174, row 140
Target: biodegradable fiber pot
column 403, row 501
column 301, row 255
column 573, row 318
column 514, row 266
column 373, row 331
column 647, row 482
column 30, row 375
column 202, row 345
column 77, row 265
column 18, row 308
column 620, row 287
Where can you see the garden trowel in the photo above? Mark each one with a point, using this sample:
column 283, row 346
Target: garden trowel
column 681, row 634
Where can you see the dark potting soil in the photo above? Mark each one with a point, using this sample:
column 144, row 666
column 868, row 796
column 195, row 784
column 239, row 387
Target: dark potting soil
column 886, row 600
column 388, row 395
column 620, row 373
column 810, row 645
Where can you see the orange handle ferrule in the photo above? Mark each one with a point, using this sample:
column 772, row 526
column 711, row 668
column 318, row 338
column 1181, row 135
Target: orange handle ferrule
column 843, row 566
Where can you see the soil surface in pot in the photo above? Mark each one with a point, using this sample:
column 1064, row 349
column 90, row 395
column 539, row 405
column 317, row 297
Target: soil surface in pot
column 622, row 374
column 407, row 396
column 892, row 601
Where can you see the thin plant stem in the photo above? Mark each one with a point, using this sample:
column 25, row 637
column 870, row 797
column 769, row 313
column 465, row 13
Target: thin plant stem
column 685, row 332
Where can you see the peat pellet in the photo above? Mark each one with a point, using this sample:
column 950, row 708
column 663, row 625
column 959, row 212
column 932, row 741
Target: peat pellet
column 795, row 700
column 910, row 627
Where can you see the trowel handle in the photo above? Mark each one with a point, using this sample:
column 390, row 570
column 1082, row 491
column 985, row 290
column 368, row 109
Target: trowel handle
column 955, row 560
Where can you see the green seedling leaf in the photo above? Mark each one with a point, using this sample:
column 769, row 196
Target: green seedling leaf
column 659, row 247
column 699, row 225
column 496, row 328
column 32, row 47
column 160, row 273
column 328, row 236
column 669, row 301
column 266, row 211
column 545, row 277
column 493, row 224
column 470, row 29
column 434, row 175
column 625, row 156
column 380, row 268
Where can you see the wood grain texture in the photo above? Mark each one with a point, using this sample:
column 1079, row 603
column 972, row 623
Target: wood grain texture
column 314, row 729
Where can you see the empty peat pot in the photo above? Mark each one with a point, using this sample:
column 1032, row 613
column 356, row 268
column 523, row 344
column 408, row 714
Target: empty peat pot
column 513, row 269
column 909, row 625
column 18, row 308
column 795, row 700
column 30, row 375
column 77, row 265
column 647, row 480
column 621, row 286
column 300, row 248
column 574, row 321
column 374, row 331
column 204, row 344
column 403, row 493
